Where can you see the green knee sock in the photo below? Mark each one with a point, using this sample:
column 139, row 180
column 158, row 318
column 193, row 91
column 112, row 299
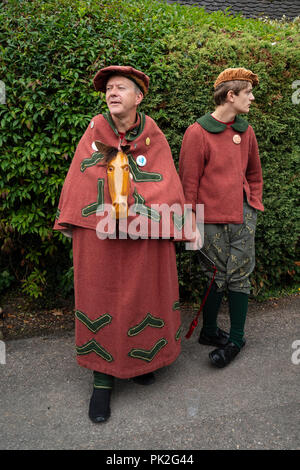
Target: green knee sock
column 103, row 380
column 238, row 307
column 211, row 310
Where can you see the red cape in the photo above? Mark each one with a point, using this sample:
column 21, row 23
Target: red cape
column 86, row 189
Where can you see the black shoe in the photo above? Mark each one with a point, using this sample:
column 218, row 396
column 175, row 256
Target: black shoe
column 223, row 356
column 99, row 409
column 145, row 379
column 219, row 339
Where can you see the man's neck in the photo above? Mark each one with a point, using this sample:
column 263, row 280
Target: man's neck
column 224, row 114
column 124, row 123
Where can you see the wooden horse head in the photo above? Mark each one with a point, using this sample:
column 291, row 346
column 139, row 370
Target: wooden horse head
column 117, row 167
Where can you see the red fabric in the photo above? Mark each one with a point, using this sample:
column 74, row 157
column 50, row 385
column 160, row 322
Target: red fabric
column 126, row 279
column 215, row 171
column 80, row 187
column 222, row 122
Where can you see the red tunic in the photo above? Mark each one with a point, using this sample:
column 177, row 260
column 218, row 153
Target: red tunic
column 215, row 170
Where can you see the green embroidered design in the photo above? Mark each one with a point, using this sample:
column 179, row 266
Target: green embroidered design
column 136, row 131
column 215, row 127
column 179, row 220
column 92, row 208
column 93, row 325
column 57, row 214
column 142, row 176
column 133, row 133
column 93, row 160
column 94, row 346
column 145, row 355
column 140, row 208
column 149, row 320
column 176, row 305
column 178, row 333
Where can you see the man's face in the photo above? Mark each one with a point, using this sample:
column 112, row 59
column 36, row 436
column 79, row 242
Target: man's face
column 243, row 100
column 121, row 96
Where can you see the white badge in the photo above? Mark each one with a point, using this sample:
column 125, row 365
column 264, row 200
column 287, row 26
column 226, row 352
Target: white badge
column 141, row 160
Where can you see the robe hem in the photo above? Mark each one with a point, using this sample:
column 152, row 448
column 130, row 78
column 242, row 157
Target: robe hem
column 140, row 371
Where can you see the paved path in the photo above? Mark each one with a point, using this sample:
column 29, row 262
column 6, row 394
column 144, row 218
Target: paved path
column 251, row 404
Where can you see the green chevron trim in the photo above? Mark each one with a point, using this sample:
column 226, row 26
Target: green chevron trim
column 145, row 355
column 149, row 320
column 140, row 208
column 93, row 325
column 57, row 214
column 176, row 305
column 140, row 176
column 93, row 160
column 178, row 220
column 92, row 208
column 94, row 346
column 178, row 333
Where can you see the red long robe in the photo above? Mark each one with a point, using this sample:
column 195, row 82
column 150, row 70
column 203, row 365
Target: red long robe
column 126, row 290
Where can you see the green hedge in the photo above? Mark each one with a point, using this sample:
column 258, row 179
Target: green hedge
column 49, row 53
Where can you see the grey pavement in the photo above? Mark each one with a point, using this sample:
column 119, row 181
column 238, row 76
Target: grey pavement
column 251, row 404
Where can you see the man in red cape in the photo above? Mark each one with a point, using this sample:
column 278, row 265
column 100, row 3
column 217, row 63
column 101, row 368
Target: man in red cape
column 126, row 288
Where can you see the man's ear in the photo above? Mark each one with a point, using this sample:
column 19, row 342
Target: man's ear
column 230, row 96
column 139, row 98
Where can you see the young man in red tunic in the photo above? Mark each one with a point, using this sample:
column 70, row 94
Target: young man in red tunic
column 220, row 168
column 127, row 319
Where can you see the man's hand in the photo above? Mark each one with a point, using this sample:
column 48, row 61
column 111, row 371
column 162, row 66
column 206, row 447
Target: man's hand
column 196, row 243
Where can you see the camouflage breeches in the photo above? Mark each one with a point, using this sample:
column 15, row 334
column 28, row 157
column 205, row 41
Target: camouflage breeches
column 232, row 248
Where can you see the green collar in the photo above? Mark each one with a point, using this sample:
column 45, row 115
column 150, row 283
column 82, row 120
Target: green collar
column 215, row 127
column 132, row 133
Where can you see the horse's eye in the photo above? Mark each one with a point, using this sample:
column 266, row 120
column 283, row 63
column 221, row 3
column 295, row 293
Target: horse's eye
column 126, row 168
column 110, row 168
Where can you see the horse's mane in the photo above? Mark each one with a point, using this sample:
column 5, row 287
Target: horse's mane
column 109, row 152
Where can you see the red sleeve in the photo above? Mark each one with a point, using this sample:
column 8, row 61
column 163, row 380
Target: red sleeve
column 191, row 163
column 254, row 172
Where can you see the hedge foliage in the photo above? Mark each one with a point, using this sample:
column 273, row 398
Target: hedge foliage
column 50, row 51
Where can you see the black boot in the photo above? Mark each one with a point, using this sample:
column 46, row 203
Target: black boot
column 145, row 379
column 99, row 409
column 223, row 356
column 220, row 338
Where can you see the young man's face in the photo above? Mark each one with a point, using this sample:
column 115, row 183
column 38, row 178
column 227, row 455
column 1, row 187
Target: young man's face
column 242, row 102
column 121, row 96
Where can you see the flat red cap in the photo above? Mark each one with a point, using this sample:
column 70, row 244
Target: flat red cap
column 138, row 77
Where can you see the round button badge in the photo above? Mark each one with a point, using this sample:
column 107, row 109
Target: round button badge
column 237, row 139
column 141, row 160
